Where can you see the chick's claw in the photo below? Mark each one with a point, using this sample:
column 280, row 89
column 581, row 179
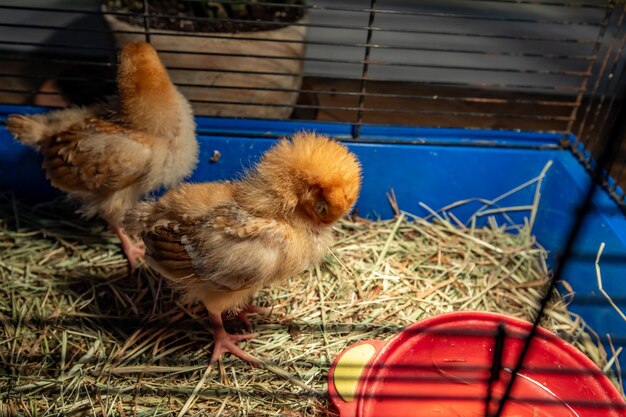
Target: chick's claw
column 226, row 342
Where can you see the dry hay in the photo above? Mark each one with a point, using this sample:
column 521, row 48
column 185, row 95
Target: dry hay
column 83, row 338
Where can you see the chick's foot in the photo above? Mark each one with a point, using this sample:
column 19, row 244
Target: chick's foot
column 226, row 342
column 133, row 251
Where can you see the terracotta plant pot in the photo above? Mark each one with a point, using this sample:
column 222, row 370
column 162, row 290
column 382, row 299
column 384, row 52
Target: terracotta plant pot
column 209, row 61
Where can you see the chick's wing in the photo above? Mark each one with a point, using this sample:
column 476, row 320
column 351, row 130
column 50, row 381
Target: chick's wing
column 97, row 156
column 227, row 249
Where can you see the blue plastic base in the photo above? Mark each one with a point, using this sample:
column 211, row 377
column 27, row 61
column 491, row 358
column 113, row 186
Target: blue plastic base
column 441, row 170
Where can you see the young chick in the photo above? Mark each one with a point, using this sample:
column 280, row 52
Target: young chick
column 220, row 242
column 108, row 156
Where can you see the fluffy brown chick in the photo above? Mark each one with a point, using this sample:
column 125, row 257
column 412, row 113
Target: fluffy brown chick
column 108, row 156
column 220, row 242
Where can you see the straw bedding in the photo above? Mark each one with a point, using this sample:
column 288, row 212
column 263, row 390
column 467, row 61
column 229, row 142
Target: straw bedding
column 81, row 337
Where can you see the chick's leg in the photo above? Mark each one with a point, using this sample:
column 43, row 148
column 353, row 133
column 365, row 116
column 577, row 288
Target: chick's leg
column 252, row 309
column 132, row 250
column 226, row 342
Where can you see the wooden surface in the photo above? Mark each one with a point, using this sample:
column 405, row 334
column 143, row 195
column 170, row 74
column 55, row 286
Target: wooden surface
column 437, row 106
column 425, row 105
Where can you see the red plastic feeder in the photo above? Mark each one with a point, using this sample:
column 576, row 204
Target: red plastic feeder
column 441, row 367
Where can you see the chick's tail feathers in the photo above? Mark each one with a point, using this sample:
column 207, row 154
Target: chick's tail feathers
column 27, row 129
column 138, row 218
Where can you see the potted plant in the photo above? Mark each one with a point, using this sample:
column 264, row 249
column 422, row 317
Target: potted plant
column 201, row 42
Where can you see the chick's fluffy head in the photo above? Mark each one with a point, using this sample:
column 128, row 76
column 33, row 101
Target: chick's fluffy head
column 141, row 70
column 324, row 174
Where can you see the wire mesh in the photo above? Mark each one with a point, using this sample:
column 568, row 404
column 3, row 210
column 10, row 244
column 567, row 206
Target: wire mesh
column 554, row 66
column 448, row 65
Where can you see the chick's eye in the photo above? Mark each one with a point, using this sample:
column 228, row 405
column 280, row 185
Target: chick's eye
column 321, row 207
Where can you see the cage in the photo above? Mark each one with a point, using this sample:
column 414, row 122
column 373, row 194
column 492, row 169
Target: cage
column 491, row 119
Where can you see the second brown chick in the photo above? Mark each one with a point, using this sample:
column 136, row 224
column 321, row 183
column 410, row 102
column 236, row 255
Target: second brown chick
column 108, row 156
column 219, row 243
